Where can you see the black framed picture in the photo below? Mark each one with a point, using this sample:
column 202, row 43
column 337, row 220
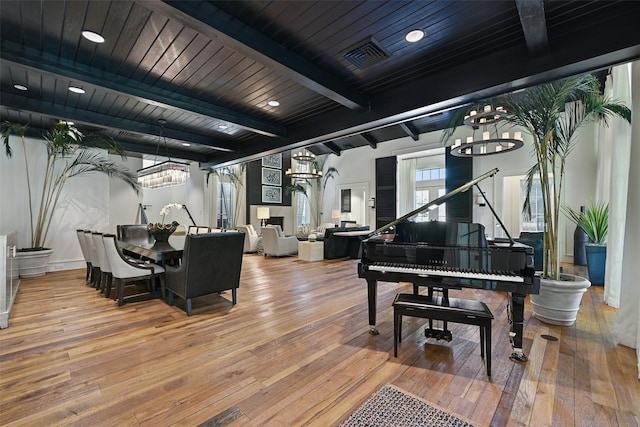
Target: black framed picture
column 271, row 176
column 271, row 194
column 345, row 200
column 273, row 161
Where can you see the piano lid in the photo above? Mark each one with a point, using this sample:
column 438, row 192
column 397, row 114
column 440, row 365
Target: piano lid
column 437, row 202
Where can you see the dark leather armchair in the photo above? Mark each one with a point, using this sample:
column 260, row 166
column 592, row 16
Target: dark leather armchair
column 536, row 241
column 211, row 263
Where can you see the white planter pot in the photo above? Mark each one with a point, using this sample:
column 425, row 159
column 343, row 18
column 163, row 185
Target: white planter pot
column 33, row 263
column 559, row 300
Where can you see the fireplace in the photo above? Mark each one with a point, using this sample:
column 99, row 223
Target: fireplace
column 276, row 220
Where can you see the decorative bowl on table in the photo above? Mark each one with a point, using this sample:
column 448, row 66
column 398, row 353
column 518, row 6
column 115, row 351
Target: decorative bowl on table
column 162, row 232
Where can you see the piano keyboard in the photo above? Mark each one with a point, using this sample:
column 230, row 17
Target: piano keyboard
column 425, row 271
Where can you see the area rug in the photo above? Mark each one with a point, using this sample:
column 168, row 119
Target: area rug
column 393, row 407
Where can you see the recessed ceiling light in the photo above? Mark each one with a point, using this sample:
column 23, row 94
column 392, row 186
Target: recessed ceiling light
column 414, row 36
column 76, row 89
column 222, row 126
column 186, row 144
column 20, row 87
column 273, row 103
column 91, row 36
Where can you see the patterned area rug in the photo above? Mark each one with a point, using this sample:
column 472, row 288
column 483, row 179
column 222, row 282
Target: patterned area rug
column 393, row 407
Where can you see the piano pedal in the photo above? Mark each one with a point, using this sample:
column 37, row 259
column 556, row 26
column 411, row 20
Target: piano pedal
column 438, row 334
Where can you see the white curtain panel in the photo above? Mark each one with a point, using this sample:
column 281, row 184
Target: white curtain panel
column 614, row 152
column 628, row 325
column 407, row 187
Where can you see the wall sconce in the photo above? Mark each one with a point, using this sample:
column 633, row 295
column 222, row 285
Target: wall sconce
column 372, row 203
column 480, row 200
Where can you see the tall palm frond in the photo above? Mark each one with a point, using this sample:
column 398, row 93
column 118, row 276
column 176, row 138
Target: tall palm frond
column 70, row 153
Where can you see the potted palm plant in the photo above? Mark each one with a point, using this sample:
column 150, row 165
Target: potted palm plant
column 70, row 154
column 594, row 221
column 551, row 114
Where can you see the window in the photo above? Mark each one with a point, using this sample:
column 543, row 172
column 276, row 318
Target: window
column 429, row 183
column 226, row 205
column 536, row 221
column 303, row 208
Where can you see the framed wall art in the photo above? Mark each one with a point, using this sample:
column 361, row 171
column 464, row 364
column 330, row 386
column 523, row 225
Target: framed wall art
column 345, row 200
column 271, row 194
column 273, row 161
column 271, row 176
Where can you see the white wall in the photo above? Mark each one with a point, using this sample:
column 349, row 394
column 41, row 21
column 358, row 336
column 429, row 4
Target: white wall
column 93, row 202
column 358, row 166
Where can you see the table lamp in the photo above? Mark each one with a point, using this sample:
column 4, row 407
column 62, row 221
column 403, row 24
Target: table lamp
column 263, row 214
column 335, row 214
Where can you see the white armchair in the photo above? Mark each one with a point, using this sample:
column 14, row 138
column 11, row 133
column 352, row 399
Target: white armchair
column 251, row 238
column 275, row 243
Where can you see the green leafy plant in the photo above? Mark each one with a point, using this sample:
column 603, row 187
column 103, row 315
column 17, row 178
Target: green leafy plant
column 70, row 154
column 594, row 221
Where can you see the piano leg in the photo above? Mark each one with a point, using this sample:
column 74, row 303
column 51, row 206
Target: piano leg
column 516, row 319
column 372, row 292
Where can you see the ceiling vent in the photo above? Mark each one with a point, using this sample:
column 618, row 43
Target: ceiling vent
column 366, row 53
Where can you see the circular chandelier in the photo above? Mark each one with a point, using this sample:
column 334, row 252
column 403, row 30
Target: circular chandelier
column 492, row 142
column 305, row 167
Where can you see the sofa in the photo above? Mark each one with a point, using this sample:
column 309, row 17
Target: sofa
column 341, row 246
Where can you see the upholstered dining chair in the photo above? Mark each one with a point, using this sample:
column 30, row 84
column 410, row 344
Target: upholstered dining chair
column 85, row 253
column 96, row 272
column 198, row 229
column 251, row 238
column 125, row 271
column 211, row 263
column 106, row 276
column 275, row 243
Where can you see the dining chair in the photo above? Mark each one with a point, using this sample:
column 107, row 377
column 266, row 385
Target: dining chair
column 126, row 272
column 95, row 261
column 106, row 277
column 85, row 253
column 211, row 263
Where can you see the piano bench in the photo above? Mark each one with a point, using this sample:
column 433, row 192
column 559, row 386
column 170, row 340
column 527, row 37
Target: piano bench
column 469, row 312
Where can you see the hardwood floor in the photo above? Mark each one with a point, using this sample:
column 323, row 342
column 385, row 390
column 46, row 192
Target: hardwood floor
column 293, row 351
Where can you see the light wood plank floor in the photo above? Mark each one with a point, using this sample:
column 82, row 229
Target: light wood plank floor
column 294, row 351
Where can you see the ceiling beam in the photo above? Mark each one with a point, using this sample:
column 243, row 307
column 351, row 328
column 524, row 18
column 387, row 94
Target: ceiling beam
column 63, row 112
column 333, row 147
column 167, row 98
column 534, row 26
column 215, row 23
column 172, row 152
column 410, row 130
column 506, row 71
column 370, row 140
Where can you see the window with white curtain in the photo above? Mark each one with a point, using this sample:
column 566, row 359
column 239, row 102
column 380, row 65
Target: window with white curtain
column 534, row 222
column 303, row 208
column 226, row 203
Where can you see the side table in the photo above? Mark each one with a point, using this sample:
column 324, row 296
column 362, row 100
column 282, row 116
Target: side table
column 311, row 251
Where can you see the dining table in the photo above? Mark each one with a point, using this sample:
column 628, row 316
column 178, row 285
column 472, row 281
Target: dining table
column 159, row 252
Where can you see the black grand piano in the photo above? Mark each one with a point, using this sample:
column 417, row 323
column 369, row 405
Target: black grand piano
column 450, row 255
